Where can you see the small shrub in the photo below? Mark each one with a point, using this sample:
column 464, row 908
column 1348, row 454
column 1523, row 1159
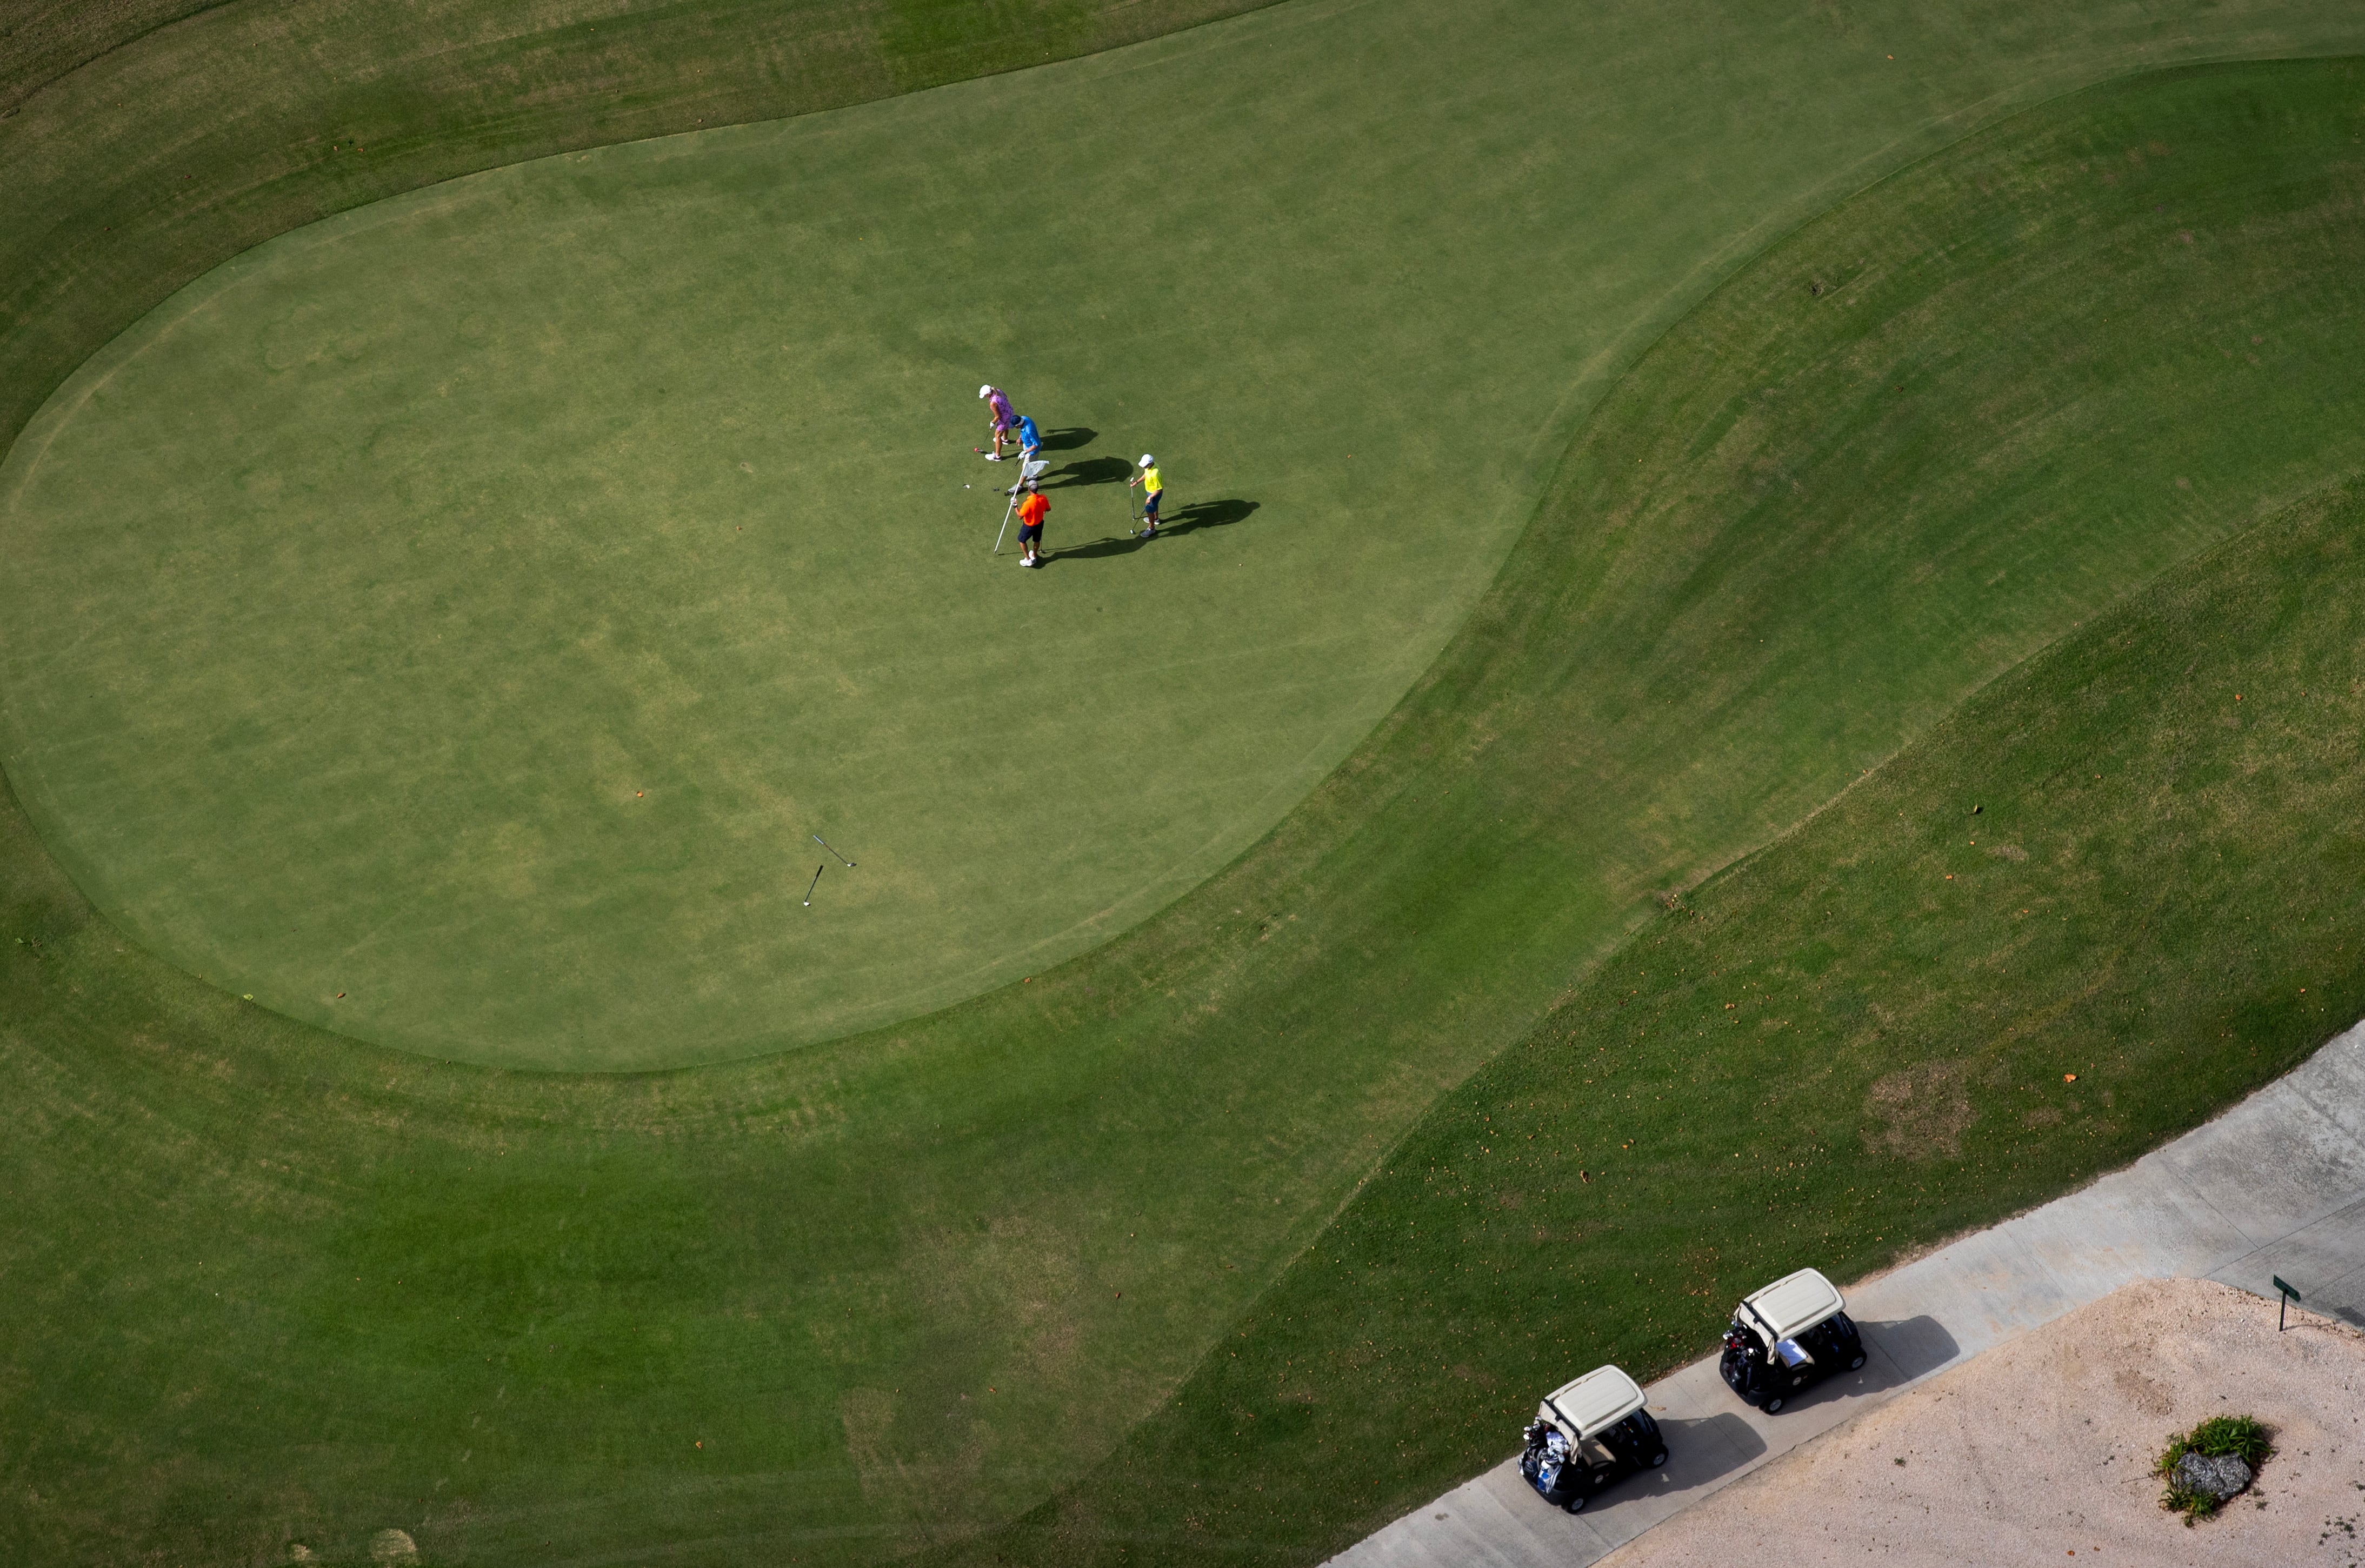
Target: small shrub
column 2244, row 1437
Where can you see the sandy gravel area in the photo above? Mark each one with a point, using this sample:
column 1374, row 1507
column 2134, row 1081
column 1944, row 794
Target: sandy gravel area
column 2040, row 1451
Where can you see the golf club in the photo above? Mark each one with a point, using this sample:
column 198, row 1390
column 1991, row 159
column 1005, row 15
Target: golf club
column 814, row 883
column 842, row 859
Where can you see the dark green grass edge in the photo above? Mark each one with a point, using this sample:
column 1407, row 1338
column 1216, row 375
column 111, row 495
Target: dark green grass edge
column 143, row 144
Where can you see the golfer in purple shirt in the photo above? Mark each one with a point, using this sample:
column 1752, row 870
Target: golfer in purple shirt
column 1005, row 423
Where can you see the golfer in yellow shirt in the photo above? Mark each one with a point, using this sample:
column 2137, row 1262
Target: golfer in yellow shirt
column 1152, row 488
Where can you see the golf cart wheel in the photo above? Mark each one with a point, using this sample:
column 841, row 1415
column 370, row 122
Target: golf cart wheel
column 1774, row 1403
column 1574, row 1505
column 1858, row 1362
column 1658, row 1458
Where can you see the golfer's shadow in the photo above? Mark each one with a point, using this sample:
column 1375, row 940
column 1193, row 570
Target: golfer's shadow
column 1069, row 438
column 1099, row 549
column 1091, row 471
column 1187, row 519
column 1206, row 514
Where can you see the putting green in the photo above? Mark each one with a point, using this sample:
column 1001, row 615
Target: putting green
column 451, row 623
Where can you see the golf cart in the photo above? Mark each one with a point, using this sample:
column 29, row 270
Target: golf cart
column 1794, row 1332
column 1587, row 1434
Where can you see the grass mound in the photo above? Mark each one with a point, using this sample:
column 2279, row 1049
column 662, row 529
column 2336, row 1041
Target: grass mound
column 2242, row 1437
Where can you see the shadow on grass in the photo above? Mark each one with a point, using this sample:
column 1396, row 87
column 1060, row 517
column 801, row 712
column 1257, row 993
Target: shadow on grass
column 1190, row 520
column 1098, row 549
column 1070, row 438
column 1206, row 514
column 1091, row 471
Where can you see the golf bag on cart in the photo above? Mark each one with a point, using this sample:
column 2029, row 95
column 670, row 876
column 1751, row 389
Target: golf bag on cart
column 1551, row 1463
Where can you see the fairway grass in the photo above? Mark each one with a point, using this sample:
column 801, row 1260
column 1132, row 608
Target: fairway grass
column 271, row 1285
column 1800, row 507
column 2113, row 894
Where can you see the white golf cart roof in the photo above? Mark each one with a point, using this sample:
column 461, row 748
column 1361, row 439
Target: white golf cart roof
column 1602, row 1398
column 1792, row 1304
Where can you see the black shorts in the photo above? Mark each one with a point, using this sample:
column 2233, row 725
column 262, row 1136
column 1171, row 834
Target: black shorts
column 1030, row 534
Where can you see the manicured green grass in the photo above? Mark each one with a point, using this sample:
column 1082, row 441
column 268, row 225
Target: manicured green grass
column 502, row 585
column 2112, row 894
column 2156, row 871
column 512, row 578
column 147, row 140
column 269, row 1285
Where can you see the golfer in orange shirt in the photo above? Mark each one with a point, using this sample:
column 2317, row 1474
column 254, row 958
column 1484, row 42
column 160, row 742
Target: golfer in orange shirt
column 1030, row 524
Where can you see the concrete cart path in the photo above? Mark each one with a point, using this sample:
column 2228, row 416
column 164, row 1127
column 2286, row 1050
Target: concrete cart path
column 2274, row 1186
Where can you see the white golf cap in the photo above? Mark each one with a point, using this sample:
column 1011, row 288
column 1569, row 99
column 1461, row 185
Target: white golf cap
column 1147, row 461
column 986, row 391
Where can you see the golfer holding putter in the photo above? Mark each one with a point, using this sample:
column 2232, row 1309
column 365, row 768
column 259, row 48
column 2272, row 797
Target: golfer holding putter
column 1005, row 422
column 1030, row 524
column 1029, row 439
column 1153, row 488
